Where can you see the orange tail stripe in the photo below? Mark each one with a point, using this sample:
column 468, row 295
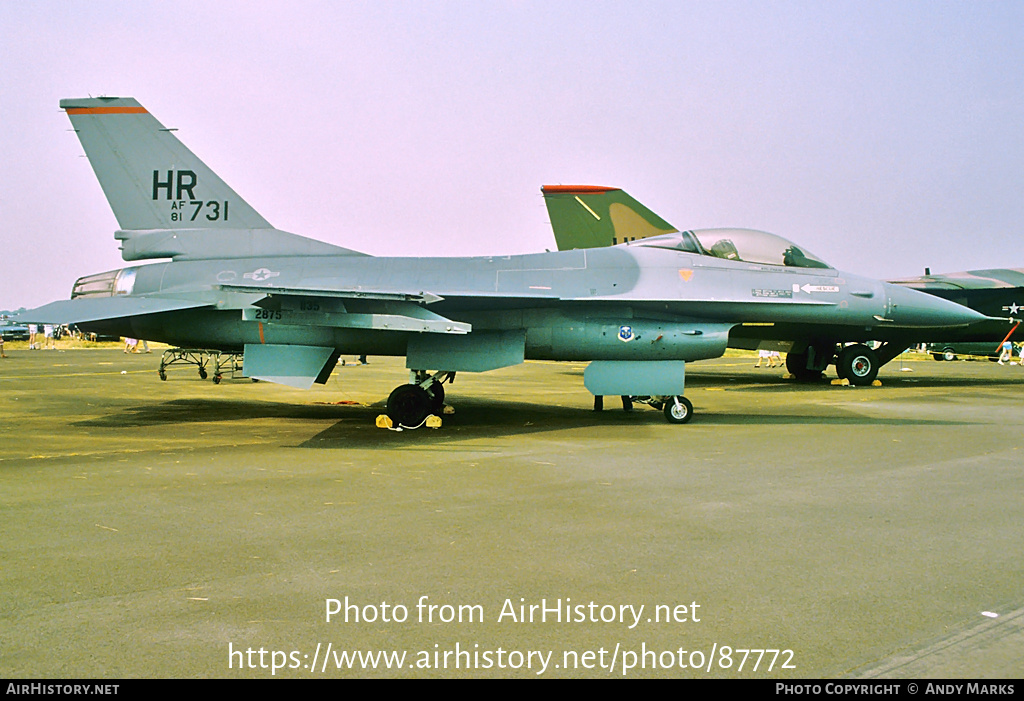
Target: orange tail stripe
column 576, row 189
column 106, row 110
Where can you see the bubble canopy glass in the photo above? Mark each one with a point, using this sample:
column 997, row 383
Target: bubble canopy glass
column 746, row 245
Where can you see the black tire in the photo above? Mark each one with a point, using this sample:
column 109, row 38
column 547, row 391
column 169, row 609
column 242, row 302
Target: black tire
column 217, row 379
column 163, row 376
column 202, row 373
column 678, row 412
column 796, row 363
column 408, row 405
column 938, row 356
column 949, row 354
column 436, row 393
column 858, row 364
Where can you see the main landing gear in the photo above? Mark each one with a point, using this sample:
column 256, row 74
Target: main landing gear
column 409, row 405
column 808, row 364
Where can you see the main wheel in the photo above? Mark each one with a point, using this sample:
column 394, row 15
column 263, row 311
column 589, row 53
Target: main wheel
column 678, row 410
column 949, row 355
column 858, row 364
column 408, row 405
column 436, row 392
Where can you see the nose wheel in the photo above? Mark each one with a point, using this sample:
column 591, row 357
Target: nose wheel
column 858, row 364
column 678, row 410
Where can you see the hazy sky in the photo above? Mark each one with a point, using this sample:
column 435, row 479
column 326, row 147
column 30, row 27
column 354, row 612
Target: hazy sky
column 883, row 136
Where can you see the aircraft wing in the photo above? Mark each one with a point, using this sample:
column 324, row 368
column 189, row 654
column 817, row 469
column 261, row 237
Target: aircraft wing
column 405, row 296
column 381, row 310
column 84, row 309
column 360, row 308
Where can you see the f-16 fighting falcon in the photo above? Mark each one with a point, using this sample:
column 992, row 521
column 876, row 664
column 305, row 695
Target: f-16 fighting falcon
column 227, row 280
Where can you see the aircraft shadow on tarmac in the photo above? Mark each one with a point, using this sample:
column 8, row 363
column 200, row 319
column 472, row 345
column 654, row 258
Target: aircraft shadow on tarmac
column 475, row 418
column 187, row 411
column 493, row 418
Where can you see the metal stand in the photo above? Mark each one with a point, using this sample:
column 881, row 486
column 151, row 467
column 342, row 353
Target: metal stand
column 187, row 356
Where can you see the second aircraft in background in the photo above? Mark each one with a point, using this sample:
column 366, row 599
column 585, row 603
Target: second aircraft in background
column 586, row 216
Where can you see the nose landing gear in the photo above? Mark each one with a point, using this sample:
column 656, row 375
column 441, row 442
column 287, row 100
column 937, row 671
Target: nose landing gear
column 678, row 410
column 858, row 364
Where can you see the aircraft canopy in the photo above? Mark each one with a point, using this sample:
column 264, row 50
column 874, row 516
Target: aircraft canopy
column 747, row 245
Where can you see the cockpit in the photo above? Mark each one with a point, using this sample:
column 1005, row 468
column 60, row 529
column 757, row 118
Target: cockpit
column 746, row 245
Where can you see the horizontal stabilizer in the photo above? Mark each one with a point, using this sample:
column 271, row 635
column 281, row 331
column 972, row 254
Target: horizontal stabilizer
column 199, row 244
column 295, row 366
column 78, row 311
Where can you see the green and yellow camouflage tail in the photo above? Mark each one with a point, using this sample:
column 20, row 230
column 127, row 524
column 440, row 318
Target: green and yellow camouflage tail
column 589, row 216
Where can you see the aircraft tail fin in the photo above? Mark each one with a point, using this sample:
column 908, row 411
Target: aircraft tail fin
column 150, row 178
column 589, row 216
column 169, row 203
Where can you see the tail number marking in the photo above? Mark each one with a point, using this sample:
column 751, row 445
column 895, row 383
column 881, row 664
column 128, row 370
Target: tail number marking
column 215, row 210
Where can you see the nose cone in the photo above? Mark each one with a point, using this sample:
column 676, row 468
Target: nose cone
column 912, row 309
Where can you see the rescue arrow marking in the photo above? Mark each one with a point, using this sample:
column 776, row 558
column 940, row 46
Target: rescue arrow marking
column 815, row 288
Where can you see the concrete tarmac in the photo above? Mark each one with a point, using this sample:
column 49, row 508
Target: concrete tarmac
column 186, row 529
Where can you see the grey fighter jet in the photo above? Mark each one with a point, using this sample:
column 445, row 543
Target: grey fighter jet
column 230, row 281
